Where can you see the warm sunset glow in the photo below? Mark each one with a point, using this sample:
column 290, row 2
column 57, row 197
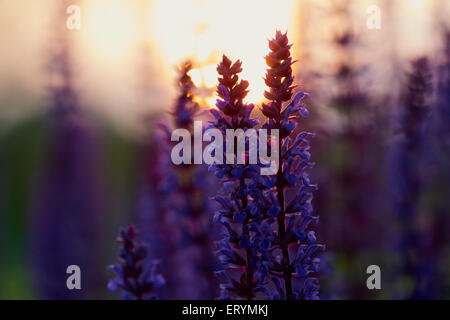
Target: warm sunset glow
column 204, row 29
column 416, row 25
column 110, row 28
column 205, row 76
column 108, row 48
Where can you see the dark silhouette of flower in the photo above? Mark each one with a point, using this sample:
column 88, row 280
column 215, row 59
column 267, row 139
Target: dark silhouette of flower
column 267, row 236
column 292, row 245
column 242, row 271
column 185, row 106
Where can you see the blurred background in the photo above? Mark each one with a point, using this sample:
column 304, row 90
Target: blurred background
column 79, row 111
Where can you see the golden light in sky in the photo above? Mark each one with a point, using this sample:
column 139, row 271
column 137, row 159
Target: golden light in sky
column 108, row 45
column 110, row 28
column 205, row 29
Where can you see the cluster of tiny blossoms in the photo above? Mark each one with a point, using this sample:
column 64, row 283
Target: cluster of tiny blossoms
column 293, row 264
column 268, row 247
column 238, row 252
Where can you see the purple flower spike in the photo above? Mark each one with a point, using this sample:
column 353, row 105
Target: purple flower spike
column 291, row 257
column 180, row 217
column 243, row 270
column 268, row 249
column 134, row 276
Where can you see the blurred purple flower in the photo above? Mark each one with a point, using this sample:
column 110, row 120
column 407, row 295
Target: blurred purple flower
column 65, row 222
column 182, row 210
column 410, row 180
column 135, row 277
column 443, row 106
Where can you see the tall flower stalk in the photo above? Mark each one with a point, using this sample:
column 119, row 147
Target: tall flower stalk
column 65, row 222
column 410, row 180
column 441, row 137
column 294, row 264
column 268, row 231
column 184, row 217
column 242, row 271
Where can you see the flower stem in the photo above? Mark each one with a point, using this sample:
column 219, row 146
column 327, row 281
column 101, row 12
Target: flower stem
column 249, row 272
column 287, row 275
